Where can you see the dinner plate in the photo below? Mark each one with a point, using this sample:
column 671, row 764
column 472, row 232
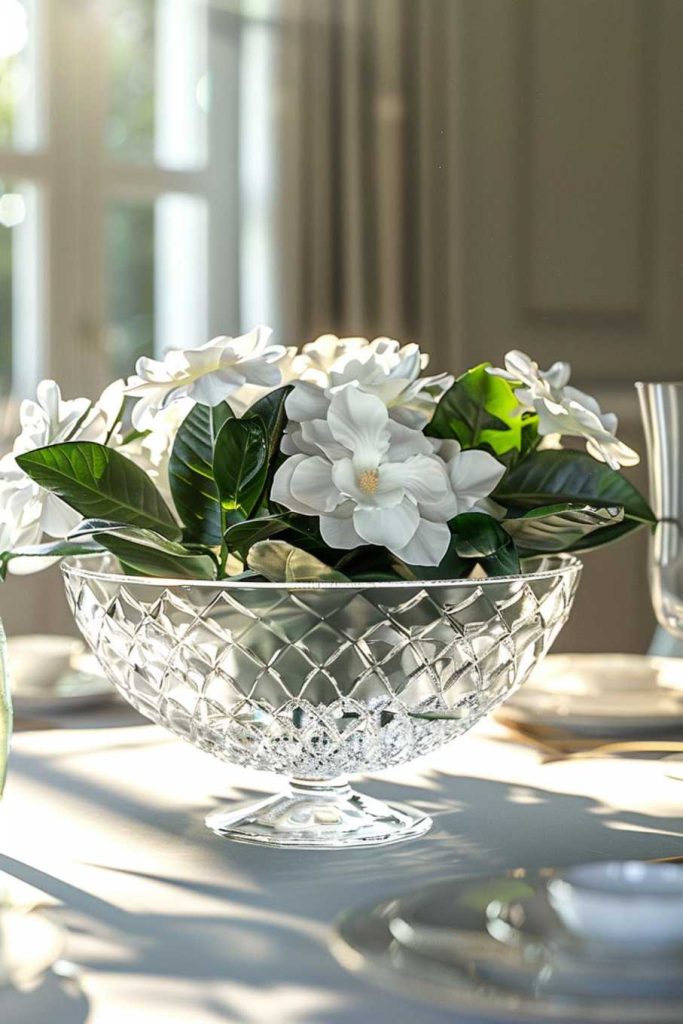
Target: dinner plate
column 601, row 695
column 436, row 944
column 51, row 674
column 29, row 946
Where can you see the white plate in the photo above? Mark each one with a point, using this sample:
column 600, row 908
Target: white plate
column 602, row 694
column 442, row 952
column 53, row 674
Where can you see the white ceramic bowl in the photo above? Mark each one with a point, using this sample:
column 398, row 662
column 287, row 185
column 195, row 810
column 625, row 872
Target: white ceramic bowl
column 625, row 903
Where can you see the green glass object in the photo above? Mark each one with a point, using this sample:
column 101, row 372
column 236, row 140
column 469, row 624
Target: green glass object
column 5, row 710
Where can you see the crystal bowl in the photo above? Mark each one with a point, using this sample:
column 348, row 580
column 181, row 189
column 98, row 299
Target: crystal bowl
column 317, row 681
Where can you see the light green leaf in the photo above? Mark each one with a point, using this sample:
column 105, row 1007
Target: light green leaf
column 283, row 563
column 481, row 409
column 100, row 484
column 240, row 464
column 191, row 473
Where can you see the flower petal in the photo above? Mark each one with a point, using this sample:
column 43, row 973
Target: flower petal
column 387, row 527
column 473, row 475
column 339, row 532
column 359, row 422
column 306, row 402
column 311, row 484
column 281, row 490
column 428, row 545
column 422, row 476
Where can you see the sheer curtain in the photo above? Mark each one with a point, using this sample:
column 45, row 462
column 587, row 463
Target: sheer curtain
column 370, row 235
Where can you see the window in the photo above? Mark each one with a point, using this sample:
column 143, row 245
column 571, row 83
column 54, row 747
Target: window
column 136, row 182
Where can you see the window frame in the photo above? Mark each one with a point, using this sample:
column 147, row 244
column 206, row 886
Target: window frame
column 76, row 178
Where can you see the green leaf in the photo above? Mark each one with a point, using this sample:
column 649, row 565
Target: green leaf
column 283, row 563
column 149, row 554
column 240, row 464
column 558, row 477
column 271, row 411
column 481, row 538
column 52, row 549
column 560, row 527
column 191, row 473
column 241, row 536
column 482, row 410
column 101, row 484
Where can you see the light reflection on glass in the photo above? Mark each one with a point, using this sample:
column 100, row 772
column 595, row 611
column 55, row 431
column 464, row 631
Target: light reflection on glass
column 156, row 76
column 19, row 114
column 13, row 27
column 12, row 209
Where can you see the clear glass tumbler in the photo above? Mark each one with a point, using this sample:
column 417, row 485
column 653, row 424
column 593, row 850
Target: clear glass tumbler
column 661, row 406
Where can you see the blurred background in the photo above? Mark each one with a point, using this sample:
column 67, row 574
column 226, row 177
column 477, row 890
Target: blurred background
column 475, row 175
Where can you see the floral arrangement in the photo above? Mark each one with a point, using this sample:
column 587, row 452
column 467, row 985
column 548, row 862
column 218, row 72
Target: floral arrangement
column 245, row 459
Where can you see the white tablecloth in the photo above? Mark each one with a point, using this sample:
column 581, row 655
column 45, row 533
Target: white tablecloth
column 170, row 924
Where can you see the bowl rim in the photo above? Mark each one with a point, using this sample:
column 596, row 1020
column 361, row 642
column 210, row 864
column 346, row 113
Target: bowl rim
column 566, row 564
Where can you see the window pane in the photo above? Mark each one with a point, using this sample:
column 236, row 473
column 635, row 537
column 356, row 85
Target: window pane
column 157, row 278
column 130, row 284
column 18, row 79
column 157, row 82
column 20, row 303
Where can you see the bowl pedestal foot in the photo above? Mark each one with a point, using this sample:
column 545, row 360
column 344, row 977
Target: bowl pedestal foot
column 319, row 815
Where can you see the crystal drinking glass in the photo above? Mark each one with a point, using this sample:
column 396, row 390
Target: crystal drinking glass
column 661, row 406
column 318, row 681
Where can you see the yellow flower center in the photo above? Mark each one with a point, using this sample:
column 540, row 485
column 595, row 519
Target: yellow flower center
column 367, row 481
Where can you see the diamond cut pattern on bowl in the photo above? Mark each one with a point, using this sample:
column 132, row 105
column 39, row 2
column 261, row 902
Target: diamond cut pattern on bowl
column 321, row 682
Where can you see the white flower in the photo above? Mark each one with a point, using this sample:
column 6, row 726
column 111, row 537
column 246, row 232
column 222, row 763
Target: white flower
column 372, row 481
column 565, row 410
column 152, row 451
column 380, row 368
column 48, row 420
column 473, row 475
column 317, row 358
column 209, row 374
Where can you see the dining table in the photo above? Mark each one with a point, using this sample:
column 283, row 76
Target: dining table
column 101, row 827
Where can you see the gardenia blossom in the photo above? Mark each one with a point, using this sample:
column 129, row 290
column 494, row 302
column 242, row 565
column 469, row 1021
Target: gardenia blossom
column 380, row 368
column 209, row 374
column 28, row 510
column 564, row 410
column 374, row 481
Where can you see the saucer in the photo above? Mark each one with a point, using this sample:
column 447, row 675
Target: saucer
column 604, row 695
column 436, row 944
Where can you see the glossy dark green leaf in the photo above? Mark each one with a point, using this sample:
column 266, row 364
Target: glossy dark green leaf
column 191, row 473
column 241, row 536
column 481, row 539
column 100, row 484
column 240, row 464
column 271, row 411
column 149, row 554
column 482, row 410
column 558, row 477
